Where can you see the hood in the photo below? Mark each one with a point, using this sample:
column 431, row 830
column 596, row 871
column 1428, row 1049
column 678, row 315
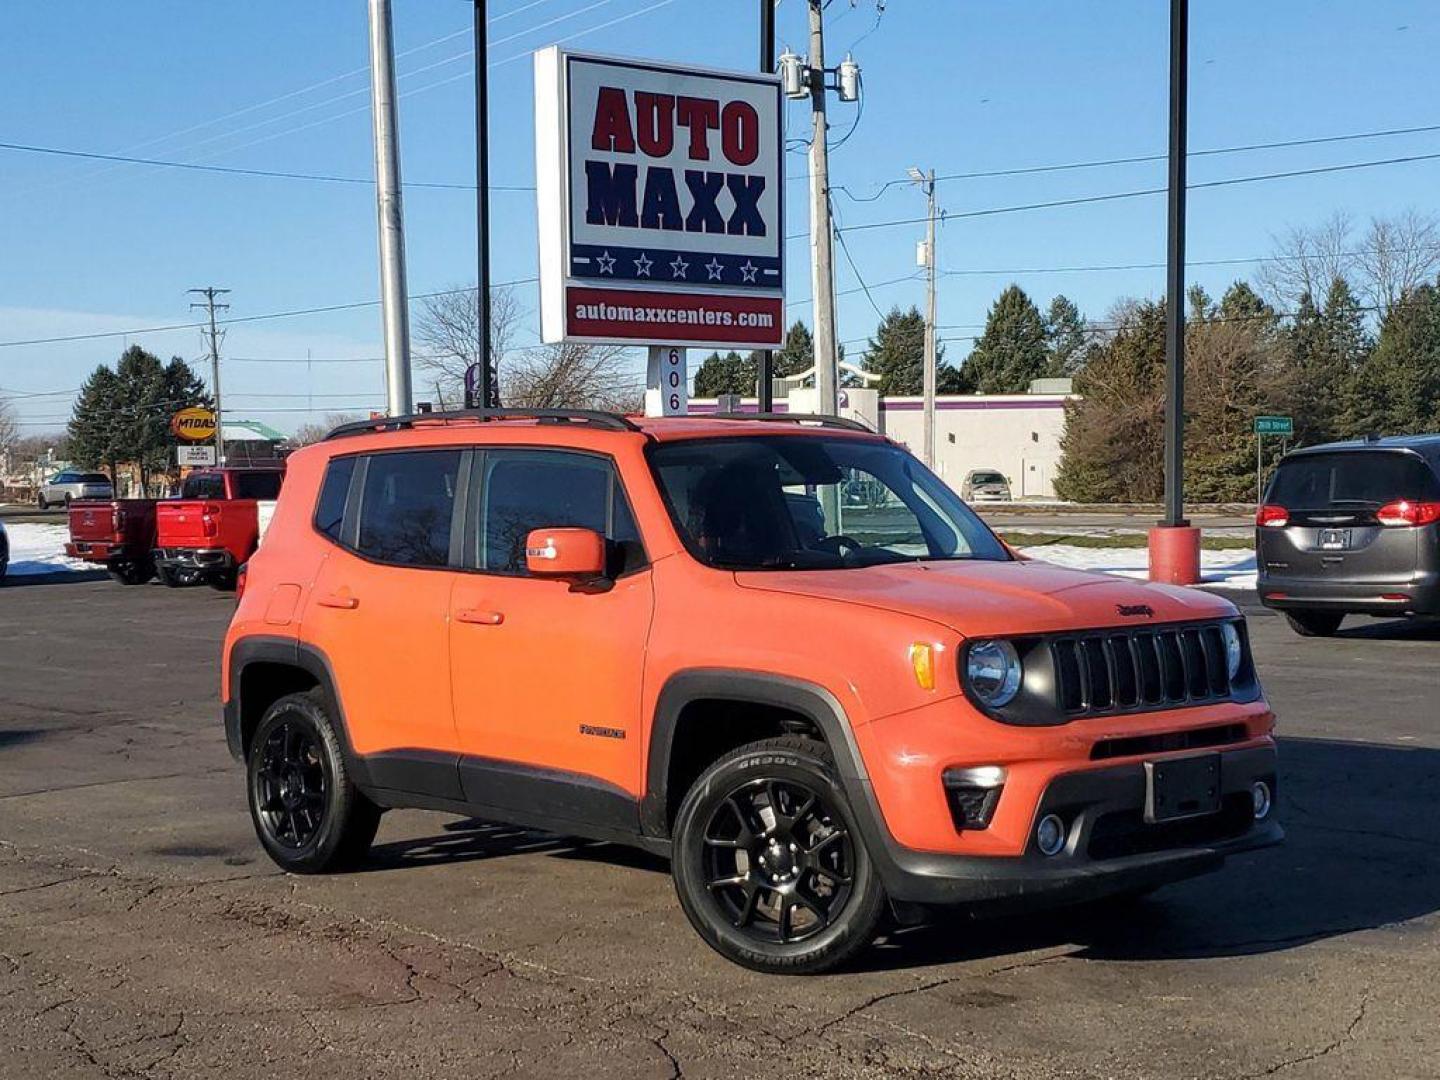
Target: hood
column 980, row 599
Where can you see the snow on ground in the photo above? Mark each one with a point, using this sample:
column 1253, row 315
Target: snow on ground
column 1218, row 569
column 40, row 549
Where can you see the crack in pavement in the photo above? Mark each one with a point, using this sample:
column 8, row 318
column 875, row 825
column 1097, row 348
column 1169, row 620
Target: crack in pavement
column 1346, row 1036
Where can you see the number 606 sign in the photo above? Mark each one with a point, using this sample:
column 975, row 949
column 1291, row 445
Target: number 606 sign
column 667, row 382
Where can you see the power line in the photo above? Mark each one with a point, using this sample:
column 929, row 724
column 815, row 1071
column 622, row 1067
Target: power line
column 246, row 318
column 1031, row 170
column 1117, row 195
column 274, row 174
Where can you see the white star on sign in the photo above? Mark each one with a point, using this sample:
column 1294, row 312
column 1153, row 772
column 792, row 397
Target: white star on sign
column 748, row 271
column 642, row 266
column 678, row 267
column 607, row 262
column 714, row 267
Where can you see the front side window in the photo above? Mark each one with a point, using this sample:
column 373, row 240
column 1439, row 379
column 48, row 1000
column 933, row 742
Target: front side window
column 803, row 502
column 538, row 489
column 407, row 504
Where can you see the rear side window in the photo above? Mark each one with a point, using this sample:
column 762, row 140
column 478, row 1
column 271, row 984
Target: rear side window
column 1355, row 479
column 407, row 505
column 537, row 489
column 203, row 486
column 257, row 485
column 330, row 507
column 94, row 478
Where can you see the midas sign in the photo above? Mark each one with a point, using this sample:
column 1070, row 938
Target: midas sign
column 660, row 197
column 195, row 424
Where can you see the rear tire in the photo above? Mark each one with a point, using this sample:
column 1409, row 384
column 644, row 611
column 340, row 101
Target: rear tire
column 1315, row 623
column 40, row 503
column 132, row 573
column 308, row 813
column 768, row 863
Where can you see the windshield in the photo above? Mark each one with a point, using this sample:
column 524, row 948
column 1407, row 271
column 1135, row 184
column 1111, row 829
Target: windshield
column 1356, row 478
column 813, row 503
column 986, row 478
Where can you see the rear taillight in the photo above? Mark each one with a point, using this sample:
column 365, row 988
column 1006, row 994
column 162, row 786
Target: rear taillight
column 1405, row 512
column 240, row 575
column 117, row 519
column 1272, row 516
column 207, row 519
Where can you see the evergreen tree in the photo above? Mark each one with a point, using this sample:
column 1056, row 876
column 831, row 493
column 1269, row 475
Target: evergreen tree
column 896, row 353
column 1397, row 389
column 797, row 354
column 728, row 374
column 1065, row 338
column 1012, row 351
column 123, row 416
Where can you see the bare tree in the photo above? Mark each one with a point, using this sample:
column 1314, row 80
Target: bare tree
column 447, row 330
column 313, row 432
column 574, row 377
column 1400, row 254
column 9, row 426
column 1394, row 256
column 1306, row 260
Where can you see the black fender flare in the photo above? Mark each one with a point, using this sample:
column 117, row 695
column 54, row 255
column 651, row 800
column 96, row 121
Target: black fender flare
column 275, row 649
column 810, row 700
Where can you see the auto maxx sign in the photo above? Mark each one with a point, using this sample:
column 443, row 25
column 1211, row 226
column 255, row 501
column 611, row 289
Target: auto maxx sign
column 659, row 195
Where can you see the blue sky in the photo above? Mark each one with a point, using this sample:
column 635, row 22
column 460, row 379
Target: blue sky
column 960, row 85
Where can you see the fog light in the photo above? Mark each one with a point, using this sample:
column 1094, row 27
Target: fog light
column 1050, row 835
column 1261, row 799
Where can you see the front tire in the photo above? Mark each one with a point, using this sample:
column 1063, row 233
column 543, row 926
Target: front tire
column 308, row 813
column 768, row 863
column 1315, row 623
column 40, row 503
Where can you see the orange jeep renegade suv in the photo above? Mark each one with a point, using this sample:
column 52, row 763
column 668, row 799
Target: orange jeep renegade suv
column 784, row 654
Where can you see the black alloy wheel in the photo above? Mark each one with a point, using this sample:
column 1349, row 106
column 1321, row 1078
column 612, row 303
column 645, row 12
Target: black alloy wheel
column 308, row 814
column 777, row 860
column 768, row 863
column 291, row 785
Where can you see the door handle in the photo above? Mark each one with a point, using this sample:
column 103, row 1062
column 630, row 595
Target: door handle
column 480, row 618
column 342, row 600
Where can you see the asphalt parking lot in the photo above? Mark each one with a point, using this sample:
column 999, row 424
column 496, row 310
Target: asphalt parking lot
column 143, row 934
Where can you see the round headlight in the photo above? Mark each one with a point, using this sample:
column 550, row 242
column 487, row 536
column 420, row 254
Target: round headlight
column 1234, row 651
column 992, row 669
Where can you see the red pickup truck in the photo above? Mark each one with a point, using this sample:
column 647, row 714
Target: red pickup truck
column 120, row 534
column 215, row 525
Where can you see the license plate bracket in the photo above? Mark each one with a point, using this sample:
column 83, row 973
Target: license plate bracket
column 1334, row 539
column 1179, row 788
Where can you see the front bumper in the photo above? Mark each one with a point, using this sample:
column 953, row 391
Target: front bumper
column 1109, row 848
column 1418, row 594
column 201, row 559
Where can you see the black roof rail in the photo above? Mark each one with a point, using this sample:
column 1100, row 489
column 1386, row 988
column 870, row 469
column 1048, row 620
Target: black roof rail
column 841, row 422
column 608, row 420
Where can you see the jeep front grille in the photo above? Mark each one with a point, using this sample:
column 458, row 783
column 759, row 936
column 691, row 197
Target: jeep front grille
column 1120, row 670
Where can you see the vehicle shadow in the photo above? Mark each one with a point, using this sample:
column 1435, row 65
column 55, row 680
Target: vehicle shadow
column 1358, row 854
column 1390, row 629
column 19, row 577
column 473, row 839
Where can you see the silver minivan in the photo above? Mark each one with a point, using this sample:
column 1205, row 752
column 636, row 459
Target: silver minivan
column 65, row 487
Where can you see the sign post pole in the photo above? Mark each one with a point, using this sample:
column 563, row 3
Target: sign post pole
column 667, row 382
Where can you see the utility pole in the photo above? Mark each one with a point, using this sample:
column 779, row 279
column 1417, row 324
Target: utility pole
column 927, row 182
column 489, row 382
column 210, row 307
column 393, row 295
column 766, row 398
column 822, row 239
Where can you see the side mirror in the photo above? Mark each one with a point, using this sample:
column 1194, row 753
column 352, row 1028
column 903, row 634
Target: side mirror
column 565, row 553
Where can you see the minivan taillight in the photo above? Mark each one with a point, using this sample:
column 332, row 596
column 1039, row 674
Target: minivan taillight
column 1405, row 512
column 1273, row 516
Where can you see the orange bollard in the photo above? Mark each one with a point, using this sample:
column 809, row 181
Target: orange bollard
column 1175, row 554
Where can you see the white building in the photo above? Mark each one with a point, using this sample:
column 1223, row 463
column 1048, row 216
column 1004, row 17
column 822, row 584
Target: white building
column 1015, row 434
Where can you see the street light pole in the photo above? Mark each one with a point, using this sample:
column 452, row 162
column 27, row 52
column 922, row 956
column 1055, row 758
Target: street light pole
column 393, row 297
column 489, row 382
column 767, row 65
column 1175, row 273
